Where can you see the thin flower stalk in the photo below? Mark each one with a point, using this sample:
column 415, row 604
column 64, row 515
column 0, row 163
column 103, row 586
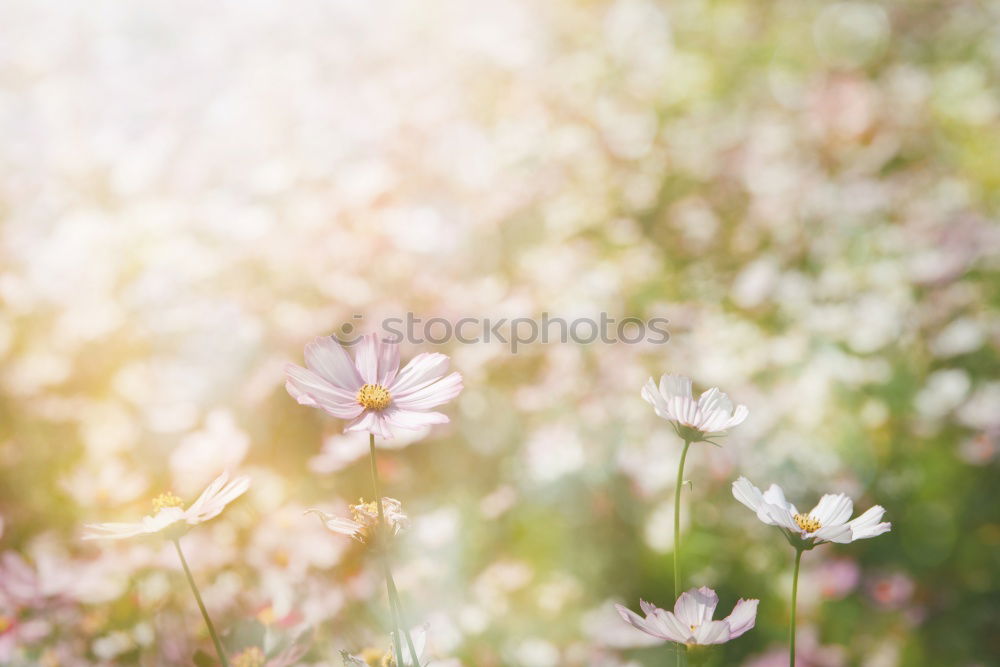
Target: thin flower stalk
column 394, row 602
column 201, row 605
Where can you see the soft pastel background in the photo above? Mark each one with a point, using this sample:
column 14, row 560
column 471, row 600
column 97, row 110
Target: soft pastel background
column 191, row 191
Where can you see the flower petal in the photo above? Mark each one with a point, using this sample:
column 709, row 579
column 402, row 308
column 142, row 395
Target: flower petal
column 840, row 533
column 413, row 420
column 675, row 385
column 712, row 632
column 833, row 509
column 366, row 358
column 328, row 359
column 640, row 623
column 696, row 606
column 422, row 370
column 310, row 389
column 867, row 525
column 430, row 395
column 743, row 618
column 372, row 421
column 214, row 499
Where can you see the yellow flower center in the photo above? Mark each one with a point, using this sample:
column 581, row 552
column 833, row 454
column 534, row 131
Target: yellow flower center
column 251, row 657
column 377, row 658
column 166, row 500
column 807, row 523
column 6, row 623
column 374, row 397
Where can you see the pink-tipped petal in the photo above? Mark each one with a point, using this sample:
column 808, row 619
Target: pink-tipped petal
column 743, row 618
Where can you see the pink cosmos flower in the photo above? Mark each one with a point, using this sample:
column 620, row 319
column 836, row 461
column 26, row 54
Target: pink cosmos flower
column 370, row 390
column 691, row 621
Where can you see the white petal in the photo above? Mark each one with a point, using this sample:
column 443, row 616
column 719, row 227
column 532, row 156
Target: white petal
column 640, row 623
column 696, row 606
column 840, row 533
column 748, row 494
column 743, row 618
column 775, row 496
column 675, row 385
column 832, row 509
column 867, row 525
column 653, row 396
column 214, row 499
column 712, row 632
column 328, row 359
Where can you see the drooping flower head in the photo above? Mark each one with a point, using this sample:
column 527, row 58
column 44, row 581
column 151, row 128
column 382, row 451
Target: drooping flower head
column 370, row 390
column 690, row 622
column 363, row 524
column 169, row 514
column 829, row 521
column 375, row 657
column 695, row 420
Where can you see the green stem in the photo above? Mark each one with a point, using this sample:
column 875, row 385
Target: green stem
column 677, row 520
column 402, row 623
column 201, row 605
column 795, row 594
column 395, row 609
column 677, row 534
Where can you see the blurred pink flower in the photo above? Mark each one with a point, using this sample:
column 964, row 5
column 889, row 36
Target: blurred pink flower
column 691, row 621
column 838, row 577
column 169, row 510
column 827, row 522
column 371, row 391
column 365, row 519
column 891, row 591
column 711, row 413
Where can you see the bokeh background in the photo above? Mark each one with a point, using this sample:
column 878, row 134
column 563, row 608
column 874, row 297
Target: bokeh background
column 808, row 191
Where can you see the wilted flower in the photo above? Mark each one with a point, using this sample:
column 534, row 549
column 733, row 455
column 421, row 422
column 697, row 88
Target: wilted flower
column 373, row 657
column 694, row 419
column 691, row 621
column 371, row 391
column 168, row 510
column 364, row 522
column 827, row 522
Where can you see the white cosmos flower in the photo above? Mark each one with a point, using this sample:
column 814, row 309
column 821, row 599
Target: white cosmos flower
column 168, row 511
column 364, row 519
column 370, row 390
column 829, row 521
column 695, row 419
column 691, row 620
